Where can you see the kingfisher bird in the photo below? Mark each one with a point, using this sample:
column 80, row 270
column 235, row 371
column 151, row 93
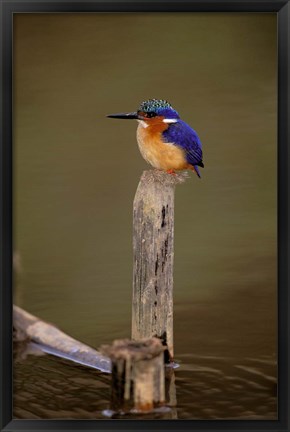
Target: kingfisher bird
column 165, row 141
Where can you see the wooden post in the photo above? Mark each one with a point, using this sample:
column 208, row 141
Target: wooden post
column 153, row 229
column 138, row 381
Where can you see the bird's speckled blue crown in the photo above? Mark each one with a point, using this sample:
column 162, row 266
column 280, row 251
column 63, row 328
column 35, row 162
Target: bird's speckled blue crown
column 159, row 107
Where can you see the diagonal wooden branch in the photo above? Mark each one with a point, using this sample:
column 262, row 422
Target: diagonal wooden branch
column 51, row 340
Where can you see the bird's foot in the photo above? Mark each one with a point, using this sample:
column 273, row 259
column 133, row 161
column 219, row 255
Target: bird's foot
column 171, row 171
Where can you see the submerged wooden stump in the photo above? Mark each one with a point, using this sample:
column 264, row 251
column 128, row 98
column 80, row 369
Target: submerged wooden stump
column 138, row 380
column 153, row 231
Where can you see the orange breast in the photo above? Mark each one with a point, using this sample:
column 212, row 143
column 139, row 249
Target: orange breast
column 160, row 155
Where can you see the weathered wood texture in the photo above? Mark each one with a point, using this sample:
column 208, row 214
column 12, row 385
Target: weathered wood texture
column 138, row 380
column 28, row 328
column 153, row 231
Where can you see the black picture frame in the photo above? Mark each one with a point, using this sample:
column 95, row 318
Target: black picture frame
column 7, row 9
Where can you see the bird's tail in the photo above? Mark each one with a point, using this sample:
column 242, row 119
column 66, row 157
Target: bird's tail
column 196, row 169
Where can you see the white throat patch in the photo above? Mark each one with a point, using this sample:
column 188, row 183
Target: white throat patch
column 143, row 123
column 169, row 120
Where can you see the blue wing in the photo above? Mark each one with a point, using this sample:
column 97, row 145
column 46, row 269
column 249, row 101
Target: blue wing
column 183, row 136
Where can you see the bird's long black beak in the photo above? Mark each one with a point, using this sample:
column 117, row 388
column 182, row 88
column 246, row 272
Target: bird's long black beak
column 128, row 116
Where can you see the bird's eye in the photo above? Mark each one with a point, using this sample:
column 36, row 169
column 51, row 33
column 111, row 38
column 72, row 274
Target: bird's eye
column 147, row 114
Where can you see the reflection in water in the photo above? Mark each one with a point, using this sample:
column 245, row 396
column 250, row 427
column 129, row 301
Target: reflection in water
column 170, row 392
column 75, row 177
